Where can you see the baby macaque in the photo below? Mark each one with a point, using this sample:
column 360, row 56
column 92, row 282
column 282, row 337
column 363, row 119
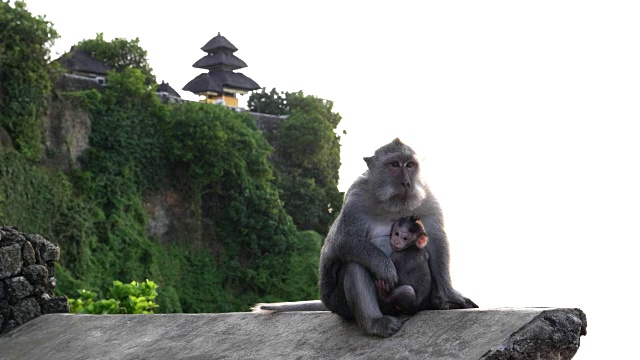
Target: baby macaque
column 408, row 241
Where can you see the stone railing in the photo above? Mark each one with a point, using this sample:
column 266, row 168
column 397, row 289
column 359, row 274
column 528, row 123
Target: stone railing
column 27, row 278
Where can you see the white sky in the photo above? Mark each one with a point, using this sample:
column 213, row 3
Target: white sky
column 526, row 114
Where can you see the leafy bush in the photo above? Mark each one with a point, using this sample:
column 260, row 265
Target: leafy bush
column 132, row 298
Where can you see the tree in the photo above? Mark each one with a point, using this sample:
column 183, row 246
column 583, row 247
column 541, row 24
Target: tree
column 24, row 74
column 272, row 103
column 306, row 157
column 119, row 54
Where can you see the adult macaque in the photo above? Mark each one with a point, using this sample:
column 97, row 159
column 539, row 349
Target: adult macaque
column 408, row 239
column 356, row 251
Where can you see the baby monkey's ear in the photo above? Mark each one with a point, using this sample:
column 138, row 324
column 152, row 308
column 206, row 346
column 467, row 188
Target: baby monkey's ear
column 422, row 241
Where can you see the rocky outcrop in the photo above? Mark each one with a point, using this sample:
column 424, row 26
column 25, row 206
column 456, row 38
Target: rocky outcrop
column 27, row 278
column 529, row 333
column 66, row 130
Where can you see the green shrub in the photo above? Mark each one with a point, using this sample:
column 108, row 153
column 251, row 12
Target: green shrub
column 132, row 298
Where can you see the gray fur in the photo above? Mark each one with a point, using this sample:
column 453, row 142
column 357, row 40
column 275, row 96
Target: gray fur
column 350, row 262
column 412, row 264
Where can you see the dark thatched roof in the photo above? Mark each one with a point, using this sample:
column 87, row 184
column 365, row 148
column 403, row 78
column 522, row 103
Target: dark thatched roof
column 219, row 42
column 216, row 80
column 165, row 88
column 80, row 61
column 220, row 60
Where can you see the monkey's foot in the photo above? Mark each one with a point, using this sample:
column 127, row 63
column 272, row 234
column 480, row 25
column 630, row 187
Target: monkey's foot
column 384, row 326
column 457, row 302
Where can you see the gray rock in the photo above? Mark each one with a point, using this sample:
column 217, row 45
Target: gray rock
column 51, row 268
column 28, row 254
column 52, row 284
column 11, row 235
column 18, row 288
column 50, row 252
column 3, row 292
column 10, row 261
column 9, row 325
column 25, row 310
column 36, row 274
column 553, row 335
column 5, row 310
column 58, row 304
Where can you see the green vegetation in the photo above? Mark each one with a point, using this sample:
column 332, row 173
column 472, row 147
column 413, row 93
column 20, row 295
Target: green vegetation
column 24, row 76
column 238, row 244
column 119, row 54
column 133, row 298
column 306, row 156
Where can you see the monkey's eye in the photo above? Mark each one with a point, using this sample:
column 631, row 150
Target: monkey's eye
column 397, row 233
column 405, row 238
column 411, row 164
column 395, row 164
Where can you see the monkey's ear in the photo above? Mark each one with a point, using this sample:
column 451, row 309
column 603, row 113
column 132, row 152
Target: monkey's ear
column 369, row 161
column 422, row 241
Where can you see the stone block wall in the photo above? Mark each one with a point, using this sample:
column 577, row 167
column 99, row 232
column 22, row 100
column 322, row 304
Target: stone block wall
column 27, row 278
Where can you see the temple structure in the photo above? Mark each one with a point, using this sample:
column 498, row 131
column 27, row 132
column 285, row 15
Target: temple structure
column 221, row 83
column 167, row 94
column 79, row 64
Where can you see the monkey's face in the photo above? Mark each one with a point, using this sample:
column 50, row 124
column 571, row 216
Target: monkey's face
column 394, row 173
column 401, row 238
column 398, row 181
column 408, row 231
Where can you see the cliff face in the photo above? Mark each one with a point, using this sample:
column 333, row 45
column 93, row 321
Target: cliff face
column 66, row 130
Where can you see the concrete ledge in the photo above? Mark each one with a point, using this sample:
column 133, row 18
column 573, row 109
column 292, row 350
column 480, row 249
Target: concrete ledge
column 526, row 333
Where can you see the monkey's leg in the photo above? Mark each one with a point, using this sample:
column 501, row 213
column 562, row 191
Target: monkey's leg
column 360, row 291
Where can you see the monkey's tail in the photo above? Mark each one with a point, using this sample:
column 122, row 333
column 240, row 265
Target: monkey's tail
column 308, row 305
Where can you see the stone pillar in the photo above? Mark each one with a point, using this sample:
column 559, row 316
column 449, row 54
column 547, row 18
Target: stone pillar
column 27, row 278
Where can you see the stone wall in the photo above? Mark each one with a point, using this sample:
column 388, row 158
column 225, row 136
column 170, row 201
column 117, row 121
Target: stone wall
column 27, row 278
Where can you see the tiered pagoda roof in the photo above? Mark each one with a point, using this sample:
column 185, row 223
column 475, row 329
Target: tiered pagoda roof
column 221, row 62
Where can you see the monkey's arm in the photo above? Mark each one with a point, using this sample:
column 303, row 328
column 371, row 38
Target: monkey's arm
column 352, row 245
column 445, row 296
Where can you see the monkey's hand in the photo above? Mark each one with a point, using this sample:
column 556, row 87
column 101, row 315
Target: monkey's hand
column 387, row 274
column 383, row 289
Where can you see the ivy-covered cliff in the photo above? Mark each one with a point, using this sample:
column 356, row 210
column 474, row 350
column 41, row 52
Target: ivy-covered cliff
column 189, row 195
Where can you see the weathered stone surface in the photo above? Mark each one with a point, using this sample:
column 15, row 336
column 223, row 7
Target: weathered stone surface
column 58, row 304
column 552, row 334
column 18, row 288
column 436, row 335
column 10, row 235
column 66, row 128
column 52, row 284
column 27, row 268
column 50, row 252
column 28, row 254
column 10, row 261
column 25, row 310
column 51, row 268
column 36, row 274
column 5, row 310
